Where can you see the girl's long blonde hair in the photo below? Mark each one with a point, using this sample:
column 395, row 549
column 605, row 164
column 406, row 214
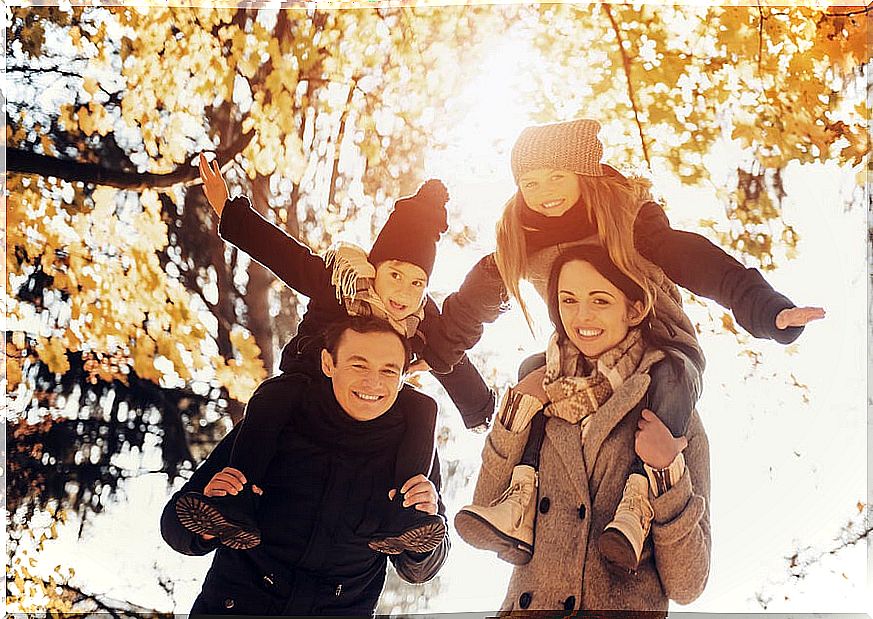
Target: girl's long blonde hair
column 612, row 202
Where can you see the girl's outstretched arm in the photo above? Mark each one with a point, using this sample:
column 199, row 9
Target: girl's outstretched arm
column 695, row 263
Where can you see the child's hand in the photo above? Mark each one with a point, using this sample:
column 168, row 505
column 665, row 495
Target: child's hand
column 213, row 184
column 654, row 444
column 798, row 316
column 418, row 366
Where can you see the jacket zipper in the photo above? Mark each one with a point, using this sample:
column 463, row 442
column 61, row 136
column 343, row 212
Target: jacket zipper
column 339, row 589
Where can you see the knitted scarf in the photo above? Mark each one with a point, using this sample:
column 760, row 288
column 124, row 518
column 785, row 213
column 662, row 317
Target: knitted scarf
column 353, row 277
column 575, row 388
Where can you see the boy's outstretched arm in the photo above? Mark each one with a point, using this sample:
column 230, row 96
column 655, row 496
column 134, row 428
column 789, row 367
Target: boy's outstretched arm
column 289, row 259
column 695, row 263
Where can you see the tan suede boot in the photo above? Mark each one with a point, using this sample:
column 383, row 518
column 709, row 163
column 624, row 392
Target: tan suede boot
column 507, row 525
column 622, row 540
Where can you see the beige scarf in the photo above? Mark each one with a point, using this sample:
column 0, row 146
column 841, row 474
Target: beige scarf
column 353, row 276
column 576, row 389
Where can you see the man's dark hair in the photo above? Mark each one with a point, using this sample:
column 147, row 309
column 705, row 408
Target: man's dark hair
column 363, row 324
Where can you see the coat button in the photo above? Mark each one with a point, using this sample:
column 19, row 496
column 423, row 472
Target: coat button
column 545, row 504
column 582, row 512
column 525, row 599
column 228, row 603
column 570, row 603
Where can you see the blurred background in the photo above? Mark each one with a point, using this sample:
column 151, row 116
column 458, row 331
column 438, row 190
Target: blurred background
column 134, row 335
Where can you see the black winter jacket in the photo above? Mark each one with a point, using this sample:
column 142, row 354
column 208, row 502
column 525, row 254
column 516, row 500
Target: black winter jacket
column 313, row 559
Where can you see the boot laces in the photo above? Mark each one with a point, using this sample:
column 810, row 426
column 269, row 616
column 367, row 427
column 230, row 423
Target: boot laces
column 638, row 506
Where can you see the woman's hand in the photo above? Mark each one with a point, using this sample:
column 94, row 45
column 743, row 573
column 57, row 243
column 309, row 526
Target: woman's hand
column 654, row 444
column 798, row 316
column 532, row 385
column 213, row 184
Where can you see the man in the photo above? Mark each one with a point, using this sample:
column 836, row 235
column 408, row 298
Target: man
column 324, row 488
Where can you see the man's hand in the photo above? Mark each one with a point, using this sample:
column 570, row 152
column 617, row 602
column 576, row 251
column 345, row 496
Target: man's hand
column 654, row 444
column 420, row 492
column 213, row 184
column 798, row 316
column 227, row 481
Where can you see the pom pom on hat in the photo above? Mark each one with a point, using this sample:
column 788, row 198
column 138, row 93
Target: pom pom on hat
column 414, row 227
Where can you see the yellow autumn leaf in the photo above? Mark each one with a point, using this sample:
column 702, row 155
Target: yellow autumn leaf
column 51, row 351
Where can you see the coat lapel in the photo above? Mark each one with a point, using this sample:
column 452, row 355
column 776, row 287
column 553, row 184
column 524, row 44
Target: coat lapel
column 623, row 401
column 567, row 441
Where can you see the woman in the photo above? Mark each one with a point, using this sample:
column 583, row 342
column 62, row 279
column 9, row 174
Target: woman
column 587, row 456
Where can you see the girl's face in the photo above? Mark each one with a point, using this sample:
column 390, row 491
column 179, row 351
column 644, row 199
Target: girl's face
column 401, row 287
column 594, row 313
column 549, row 192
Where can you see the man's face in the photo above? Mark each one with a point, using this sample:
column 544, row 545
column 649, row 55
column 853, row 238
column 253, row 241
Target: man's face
column 367, row 372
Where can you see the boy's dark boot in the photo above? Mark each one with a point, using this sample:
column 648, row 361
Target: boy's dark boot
column 407, row 528
column 230, row 518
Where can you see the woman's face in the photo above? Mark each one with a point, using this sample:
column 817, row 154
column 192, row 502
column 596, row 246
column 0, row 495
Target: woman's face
column 549, row 192
column 594, row 313
column 401, row 287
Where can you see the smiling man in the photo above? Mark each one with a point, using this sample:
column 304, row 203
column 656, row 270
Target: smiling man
column 319, row 496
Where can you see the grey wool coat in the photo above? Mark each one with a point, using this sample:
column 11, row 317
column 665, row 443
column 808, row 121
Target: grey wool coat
column 580, row 485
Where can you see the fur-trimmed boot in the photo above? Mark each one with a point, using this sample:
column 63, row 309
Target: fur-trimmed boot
column 507, row 525
column 230, row 518
column 621, row 542
column 407, row 528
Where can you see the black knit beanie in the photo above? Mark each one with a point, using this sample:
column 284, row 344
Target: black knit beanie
column 414, row 227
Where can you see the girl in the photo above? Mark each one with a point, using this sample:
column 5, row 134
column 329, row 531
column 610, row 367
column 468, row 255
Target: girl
column 391, row 288
column 588, row 450
column 566, row 195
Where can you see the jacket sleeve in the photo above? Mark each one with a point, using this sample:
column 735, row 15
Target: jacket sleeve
column 414, row 567
column 481, row 298
column 693, row 262
column 681, row 527
column 288, row 259
column 469, row 393
column 178, row 537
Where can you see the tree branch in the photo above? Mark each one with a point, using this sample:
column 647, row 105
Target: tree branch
column 26, row 162
column 630, row 85
column 863, row 11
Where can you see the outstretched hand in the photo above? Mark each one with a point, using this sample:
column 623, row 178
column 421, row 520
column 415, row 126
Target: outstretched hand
column 798, row 316
column 213, row 184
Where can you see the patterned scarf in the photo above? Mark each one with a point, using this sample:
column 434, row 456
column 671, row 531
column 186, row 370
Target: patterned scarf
column 576, row 389
column 353, row 277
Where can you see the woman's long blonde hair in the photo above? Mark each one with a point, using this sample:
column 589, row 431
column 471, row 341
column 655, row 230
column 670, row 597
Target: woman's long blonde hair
column 612, row 202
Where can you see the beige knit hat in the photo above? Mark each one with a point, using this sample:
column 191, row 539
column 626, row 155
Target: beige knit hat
column 572, row 145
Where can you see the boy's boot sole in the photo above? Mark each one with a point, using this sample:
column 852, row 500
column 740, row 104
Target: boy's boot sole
column 198, row 516
column 421, row 538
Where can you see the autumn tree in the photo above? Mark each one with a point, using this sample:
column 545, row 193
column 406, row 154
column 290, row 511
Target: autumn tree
column 131, row 321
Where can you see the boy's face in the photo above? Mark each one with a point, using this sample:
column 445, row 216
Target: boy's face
column 367, row 372
column 549, row 192
column 401, row 287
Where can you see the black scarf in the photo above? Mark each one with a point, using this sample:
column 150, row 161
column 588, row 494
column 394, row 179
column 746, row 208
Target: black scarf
column 322, row 420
